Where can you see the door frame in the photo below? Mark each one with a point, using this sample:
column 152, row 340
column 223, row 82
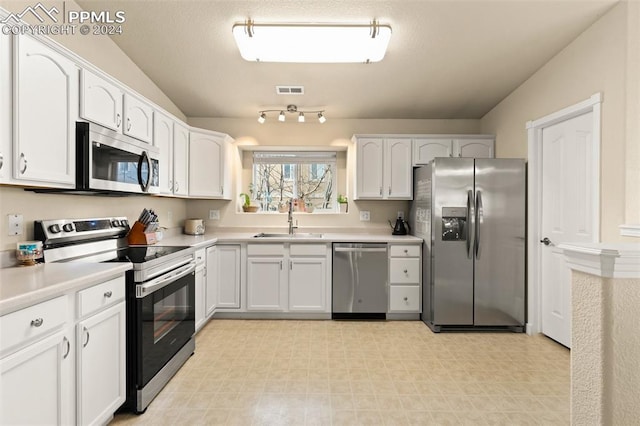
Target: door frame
column 534, row 197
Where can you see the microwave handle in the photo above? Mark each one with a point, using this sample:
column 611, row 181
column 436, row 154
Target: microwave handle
column 144, row 158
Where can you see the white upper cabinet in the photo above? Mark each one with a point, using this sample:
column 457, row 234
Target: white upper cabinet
column 474, row 148
column 427, row 148
column 104, row 102
column 46, row 108
column 383, row 168
column 138, row 118
column 163, row 139
column 6, row 101
column 180, row 160
column 101, row 101
column 207, row 155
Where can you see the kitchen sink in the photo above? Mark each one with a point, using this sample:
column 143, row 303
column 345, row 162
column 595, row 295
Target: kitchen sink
column 296, row 235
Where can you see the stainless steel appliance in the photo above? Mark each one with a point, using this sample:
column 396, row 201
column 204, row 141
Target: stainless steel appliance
column 360, row 281
column 160, row 296
column 471, row 215
column 107, row 161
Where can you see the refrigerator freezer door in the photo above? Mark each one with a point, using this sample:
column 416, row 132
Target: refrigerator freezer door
column 500, row 245
column 452, row 268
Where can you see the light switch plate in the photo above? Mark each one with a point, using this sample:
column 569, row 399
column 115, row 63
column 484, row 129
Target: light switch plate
column 16, row 224
column 365, row 216
column 214, row 214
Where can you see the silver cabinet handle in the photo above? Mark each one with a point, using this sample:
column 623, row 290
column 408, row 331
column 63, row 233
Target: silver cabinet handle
column 405, row 271
column 108, row 294
column 389, row 190
column 118, row 120
column 381, row 191
column 281, row 265
column 87, row 341
column 406, row 251
column 128, row 124
column 24, row 160
column 546, row 241
column 66, row 354
column 1, row 160
column 37, row 322
column 177, row 187
column 291, row 265
column 406, row 299
column 171, row 186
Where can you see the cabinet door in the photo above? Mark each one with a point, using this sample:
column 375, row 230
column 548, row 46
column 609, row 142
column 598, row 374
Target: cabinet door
column 6, row 115
column 308, row 284
column 369, row 168
column 180, row 160
column 46, row 95
column 425, row 150
column 201, row 298
column 228, row 276
column 206, row 165
column 100, row 101
column 36, row 384
column 266, row 284
column 398, row 174
column 100, row 370
column 163, row 139
column 138, row 119
column 474, row 148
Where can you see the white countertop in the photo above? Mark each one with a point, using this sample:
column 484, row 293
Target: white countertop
column 22, row 286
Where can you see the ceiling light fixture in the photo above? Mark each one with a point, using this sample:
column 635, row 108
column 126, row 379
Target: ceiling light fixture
column 313, row 42
column 262, row 115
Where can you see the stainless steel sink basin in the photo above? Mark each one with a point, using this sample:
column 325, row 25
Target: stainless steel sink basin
column 296, row 235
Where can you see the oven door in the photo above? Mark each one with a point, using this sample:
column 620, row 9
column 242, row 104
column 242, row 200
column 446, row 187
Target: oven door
column 165, row 320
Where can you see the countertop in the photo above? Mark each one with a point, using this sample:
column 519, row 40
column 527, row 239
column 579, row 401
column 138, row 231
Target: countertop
column 22, row 286
column 209, row 238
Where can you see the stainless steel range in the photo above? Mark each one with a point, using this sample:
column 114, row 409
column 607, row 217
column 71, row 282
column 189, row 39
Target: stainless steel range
column 160, row 296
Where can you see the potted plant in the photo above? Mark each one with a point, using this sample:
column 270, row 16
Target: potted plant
column 246, row 205
column 343, row 203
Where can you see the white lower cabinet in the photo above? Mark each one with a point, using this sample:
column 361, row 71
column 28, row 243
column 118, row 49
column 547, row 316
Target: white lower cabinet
column 225, row 277
column 36, row 383
column 266, row 284
column 404, row 278
column 201, row 288
column 307, row 284
column 101, row 365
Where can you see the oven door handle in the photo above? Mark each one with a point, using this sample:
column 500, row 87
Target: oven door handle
column 147, row 288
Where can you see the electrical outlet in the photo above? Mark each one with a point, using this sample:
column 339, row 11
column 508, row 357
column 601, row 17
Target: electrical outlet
column 400, row 214
column 365, row 216
column 16, row 224
column 214, row 214
column 169, row 216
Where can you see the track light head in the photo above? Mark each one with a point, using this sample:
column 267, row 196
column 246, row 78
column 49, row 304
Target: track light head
column 321, row 118
column 262, row 118
column 281, row 116
column 301, row 117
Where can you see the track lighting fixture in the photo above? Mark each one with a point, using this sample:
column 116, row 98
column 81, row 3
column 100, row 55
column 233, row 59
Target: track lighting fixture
column 262, row 115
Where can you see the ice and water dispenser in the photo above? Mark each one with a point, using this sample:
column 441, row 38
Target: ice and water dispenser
column 454, row 224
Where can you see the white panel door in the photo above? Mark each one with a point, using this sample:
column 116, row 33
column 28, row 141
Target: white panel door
column 398, row 172
column 474, row 148
column 369, row 168
column 101, row 365
column 425, row 150
column 566, row 215
column 228, row 276
column 138, row 119
column 36, row 384
column 308, row 284
column 180, row 160
column 266, row 284
column 47, row 101
column 163, row 139
column 100, row 101
column 206, row 164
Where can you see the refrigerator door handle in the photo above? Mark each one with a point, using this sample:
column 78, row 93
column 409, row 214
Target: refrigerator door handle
column 479, row 219
column 470, row 220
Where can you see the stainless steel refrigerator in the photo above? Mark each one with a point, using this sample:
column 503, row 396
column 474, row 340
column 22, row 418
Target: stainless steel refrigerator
column 471, row 215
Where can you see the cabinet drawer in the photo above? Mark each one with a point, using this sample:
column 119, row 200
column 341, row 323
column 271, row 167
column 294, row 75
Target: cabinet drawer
column 404, row 251
column 265, row 249
column 36, row 320
column 404, row 271
column 101, row 295
column 405, row 298
column 308, row 250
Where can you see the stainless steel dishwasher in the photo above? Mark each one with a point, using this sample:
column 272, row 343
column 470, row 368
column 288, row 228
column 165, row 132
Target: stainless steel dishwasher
column 360, row 281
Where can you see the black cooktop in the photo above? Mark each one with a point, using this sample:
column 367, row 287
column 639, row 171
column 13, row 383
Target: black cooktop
column 141, row 254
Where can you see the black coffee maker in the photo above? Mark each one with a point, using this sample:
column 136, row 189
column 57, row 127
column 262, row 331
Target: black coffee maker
column 401, row 227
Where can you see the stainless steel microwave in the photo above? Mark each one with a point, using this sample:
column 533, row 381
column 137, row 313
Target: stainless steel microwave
column 107, row 161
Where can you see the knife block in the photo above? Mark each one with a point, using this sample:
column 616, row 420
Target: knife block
column 137, row 236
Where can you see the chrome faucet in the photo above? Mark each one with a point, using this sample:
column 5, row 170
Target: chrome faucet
column 290, row 217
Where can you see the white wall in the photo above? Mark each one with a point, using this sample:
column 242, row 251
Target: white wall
column 594, row 62
column 335, row 132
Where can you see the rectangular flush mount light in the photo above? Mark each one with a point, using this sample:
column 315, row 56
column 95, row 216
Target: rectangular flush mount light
column 312, row 43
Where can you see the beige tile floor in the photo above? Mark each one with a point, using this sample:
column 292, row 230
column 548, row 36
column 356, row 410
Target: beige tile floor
column 363, row 373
